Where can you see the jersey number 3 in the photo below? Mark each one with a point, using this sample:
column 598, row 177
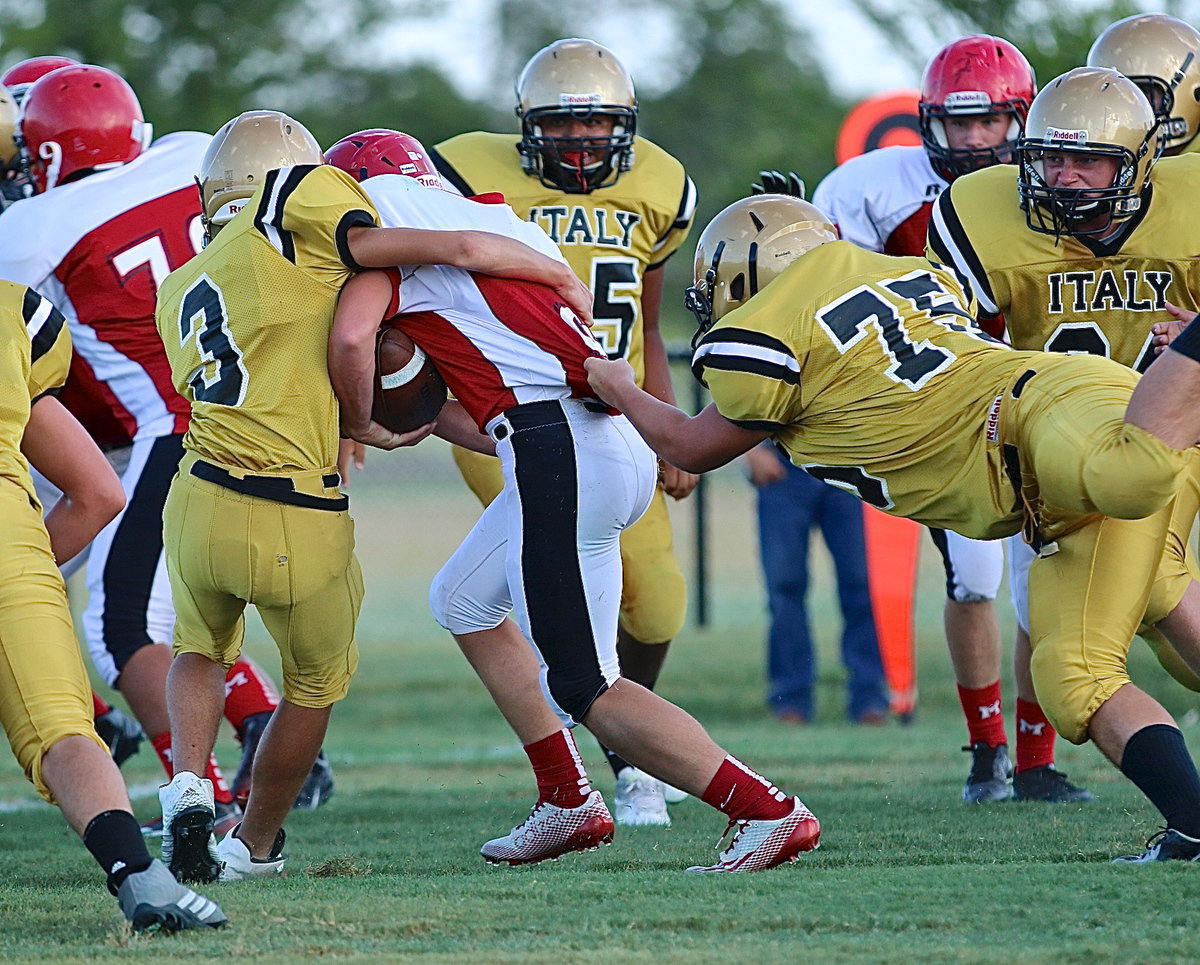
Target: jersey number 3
column 221, row 377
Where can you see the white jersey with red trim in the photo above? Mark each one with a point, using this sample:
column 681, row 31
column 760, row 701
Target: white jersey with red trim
column 496, row 342
column 99, row 248
column 882, row 200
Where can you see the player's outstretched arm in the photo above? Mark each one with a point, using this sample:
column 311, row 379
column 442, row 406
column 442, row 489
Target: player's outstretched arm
column 657, row 381
column 693, row 443
column 61, row 450
column 481, row 251
column 361, row 307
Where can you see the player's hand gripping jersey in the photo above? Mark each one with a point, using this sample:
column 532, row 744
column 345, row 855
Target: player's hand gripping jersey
column 1074, row 294
column 246, row 324
column 467, row 322
column 610, row 236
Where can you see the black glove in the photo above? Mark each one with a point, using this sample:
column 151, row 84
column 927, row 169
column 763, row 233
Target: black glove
column 775, row 182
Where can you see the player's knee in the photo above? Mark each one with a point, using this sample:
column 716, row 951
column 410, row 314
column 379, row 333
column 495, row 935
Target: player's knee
column 1070, row 694
column 1133, row 475
column 656, row 617
column 460, row 612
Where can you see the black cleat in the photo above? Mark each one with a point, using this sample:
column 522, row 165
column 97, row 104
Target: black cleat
column 1046, row 784
column 121, row 733
column 154, row 901
column 990, row 774
column 318, row 787
column 1167, row 845
column 252, row 731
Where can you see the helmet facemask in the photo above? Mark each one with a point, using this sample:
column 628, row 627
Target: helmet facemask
column 559, row 162
column 697, row 299
column 950, row 162
column 1081, row 212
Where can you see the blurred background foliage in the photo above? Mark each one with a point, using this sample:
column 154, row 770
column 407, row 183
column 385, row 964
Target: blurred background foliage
column 737, row 85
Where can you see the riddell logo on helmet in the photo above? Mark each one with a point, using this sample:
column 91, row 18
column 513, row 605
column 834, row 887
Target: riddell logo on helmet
column 1061, row 136
column 579, row 100
column 968, row 100
column 228, row 210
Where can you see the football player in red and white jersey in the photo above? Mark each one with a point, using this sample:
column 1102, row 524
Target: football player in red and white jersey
column 110, row 218
column 975, row 95
column 575, row 475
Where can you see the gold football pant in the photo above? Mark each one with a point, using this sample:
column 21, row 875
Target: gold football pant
column 653, row 591
column 296, row 565
column 1079, row 460
column 44, row 690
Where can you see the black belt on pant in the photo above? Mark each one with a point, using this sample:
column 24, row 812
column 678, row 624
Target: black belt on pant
column 278, row 489
column 528, row 415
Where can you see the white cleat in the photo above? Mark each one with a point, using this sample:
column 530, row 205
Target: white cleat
column 189, row 845
column 759, row 845
column 551, row 831
column 639, row 800
column 239, row 863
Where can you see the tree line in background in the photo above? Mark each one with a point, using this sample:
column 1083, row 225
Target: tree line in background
column 748, row 88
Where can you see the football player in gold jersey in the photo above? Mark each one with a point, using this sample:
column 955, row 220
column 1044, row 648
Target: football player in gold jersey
column 869, row 371
column 45, row 704
column 255, row 514
column 618, row 206
column 1086, row 254
column 1162, row 56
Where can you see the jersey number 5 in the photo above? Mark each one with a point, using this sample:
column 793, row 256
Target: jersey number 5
column 221, row 377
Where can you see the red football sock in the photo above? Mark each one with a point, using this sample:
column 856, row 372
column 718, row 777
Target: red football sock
column 162, row 747
column 1035, row 736
column 981, row 706
column 745, row 795
column 222, row 793
column 248, row 691
column 561, row 777
column 99, row 707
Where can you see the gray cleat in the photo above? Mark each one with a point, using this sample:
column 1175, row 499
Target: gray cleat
column 153, row 900
column 991, row 774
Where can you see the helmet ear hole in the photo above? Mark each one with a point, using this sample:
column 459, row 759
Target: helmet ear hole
column 737, row 288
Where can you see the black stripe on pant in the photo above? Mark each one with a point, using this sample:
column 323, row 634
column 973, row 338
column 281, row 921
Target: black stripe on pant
column 136, row 548
column 547, row 488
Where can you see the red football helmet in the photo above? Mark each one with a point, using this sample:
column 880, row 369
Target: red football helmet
column 20, row 77
column 979, row 74
column 79, row 119
column 379, row 151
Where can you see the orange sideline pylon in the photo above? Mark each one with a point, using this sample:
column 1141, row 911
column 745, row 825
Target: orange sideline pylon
column 893, row 546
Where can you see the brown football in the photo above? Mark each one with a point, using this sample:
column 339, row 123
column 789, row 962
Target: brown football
column 408, row 389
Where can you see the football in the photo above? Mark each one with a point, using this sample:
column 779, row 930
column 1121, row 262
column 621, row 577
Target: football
column 408, row 389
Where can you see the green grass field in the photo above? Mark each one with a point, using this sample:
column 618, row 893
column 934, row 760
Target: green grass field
column 389, row 870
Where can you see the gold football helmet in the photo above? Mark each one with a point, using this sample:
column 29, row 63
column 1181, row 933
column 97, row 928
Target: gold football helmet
column 576, row 79
column 1087, row 111
column 1162, row 56
column 240, row 156
column 746, row 246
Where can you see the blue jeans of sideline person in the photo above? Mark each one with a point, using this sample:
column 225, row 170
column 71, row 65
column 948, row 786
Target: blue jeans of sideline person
column 788, row 510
